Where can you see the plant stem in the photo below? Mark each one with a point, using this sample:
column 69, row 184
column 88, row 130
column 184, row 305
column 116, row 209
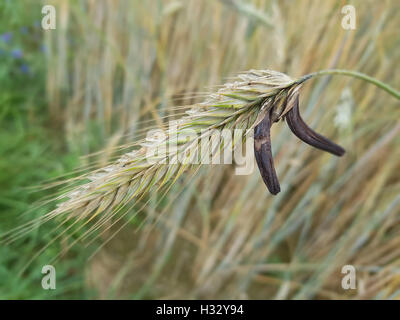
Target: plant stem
column 354, row 74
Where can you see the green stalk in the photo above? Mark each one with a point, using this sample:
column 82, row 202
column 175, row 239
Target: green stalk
column 354, row 74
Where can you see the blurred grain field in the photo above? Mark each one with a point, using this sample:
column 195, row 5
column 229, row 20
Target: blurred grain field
column 113, row 69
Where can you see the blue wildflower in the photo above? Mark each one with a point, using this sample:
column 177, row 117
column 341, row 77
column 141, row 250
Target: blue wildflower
column 43, row 48
column 24, row 68
column 24, row 30
column 17, row 53
column 6, row 37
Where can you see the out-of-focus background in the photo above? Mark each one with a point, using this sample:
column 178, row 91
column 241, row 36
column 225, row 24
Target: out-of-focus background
column 113, row 69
